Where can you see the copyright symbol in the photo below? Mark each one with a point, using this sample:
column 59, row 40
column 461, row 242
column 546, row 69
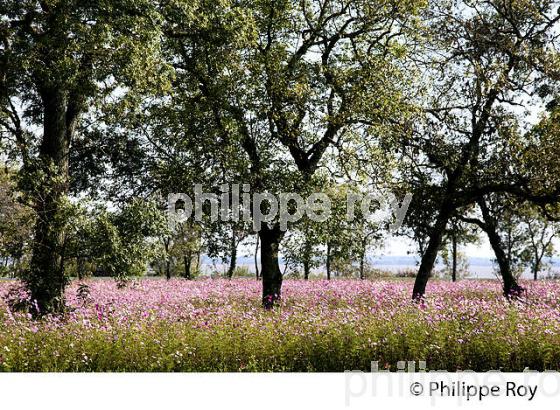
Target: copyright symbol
column 416, row 389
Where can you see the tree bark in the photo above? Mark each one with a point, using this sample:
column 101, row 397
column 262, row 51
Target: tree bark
column 198, row 256
column 256, row 259
column 271, row 274
column 328, row 263
column 167, row 269
column 166, row 244
column 307, row 259
column 187, row 261
column 510, row 285
column 430, row 255
column 233, row 255
column 46, row 280
column 454, row 251
column 362, row 257
column 535, row 272
column 511, row 288
column 80, row 267
column 536, row 266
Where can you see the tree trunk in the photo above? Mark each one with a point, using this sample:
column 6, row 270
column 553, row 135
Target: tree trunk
column 306, row 269
column 46, row 280
column 256, row 258
column 166, row 244
column 233, row 256
column 187, row 260
column 198, row 256
column 430, row 255
column 328, row 264
column 362, row 257
column 511, row 288
column 536, row 266
column 168, row 269
column 80, row 266
column 307, row 259
column 454, row 251
column 271, row 274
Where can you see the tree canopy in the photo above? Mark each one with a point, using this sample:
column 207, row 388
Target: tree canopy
column 123, row 102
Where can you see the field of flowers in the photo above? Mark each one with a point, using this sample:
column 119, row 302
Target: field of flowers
column 218, row 325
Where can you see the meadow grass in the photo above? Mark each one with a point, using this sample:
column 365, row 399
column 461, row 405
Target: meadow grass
column 218, row 325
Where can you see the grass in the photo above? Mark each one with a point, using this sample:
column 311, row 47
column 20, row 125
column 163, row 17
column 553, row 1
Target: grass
column 218, row 325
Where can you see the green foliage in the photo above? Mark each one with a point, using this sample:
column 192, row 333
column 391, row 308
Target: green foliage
column 63, row 61
column 81, row 48
column 118, row 244
column 370, row 272
column 458, row 234
column 243, row 272
column 126, row 98
column 302, row 248
column 462, row 265
column 123, row 239
column 275, row 84
column 528, row 237
column 345, row 243
column 16, row 222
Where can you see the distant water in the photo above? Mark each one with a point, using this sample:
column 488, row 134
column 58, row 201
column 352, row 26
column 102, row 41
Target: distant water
column 479, row 268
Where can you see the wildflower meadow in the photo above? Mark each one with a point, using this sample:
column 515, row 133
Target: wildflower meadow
column 214, row 325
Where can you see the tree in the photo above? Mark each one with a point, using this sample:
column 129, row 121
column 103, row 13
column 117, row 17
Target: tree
column 119, row 243
column 126, row 239
column 302, row 247
column 482, row 59
column 512, row 233
column 538, row 151
column 505, row 240
column 541, row 233
column 59, row 60
column 363, row 233
column 16, row 223
column 285, row 82
column 456, row 263
column 334, row 231
column 526, row 235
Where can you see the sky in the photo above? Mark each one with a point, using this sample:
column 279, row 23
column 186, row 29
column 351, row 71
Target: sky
column 399, row 246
